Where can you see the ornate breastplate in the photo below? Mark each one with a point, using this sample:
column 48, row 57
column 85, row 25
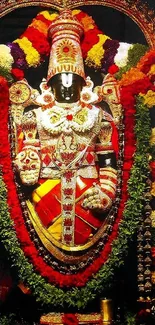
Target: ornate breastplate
column 58, row 119
column 66, row 136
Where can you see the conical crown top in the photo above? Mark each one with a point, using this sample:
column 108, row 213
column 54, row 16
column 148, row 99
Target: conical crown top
column 65, row 55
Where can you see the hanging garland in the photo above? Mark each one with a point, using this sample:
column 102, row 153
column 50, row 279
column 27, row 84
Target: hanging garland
column 48, row 294
column 99, row 50
column 45, row 293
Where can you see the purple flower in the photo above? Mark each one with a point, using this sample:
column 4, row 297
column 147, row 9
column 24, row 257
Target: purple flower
column 110, row 47
column 18, row 56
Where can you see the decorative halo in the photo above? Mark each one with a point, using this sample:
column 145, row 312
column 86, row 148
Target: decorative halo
column 20, row 93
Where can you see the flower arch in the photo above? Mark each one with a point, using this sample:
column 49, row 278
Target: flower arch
column 134, row 79
column 138, row 11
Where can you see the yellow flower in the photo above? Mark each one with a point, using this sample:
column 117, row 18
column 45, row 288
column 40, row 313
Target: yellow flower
column 32, row 56
column 48, row 16
column 152, row 70
column 75, row 12
column 6, row 59
column 149, row 98
column 96, row 53
column 53, row 16
column 87, row 23
column 40, row 25
column 152, row 137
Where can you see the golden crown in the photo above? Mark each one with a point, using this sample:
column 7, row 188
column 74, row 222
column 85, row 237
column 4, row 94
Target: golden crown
column 66, row 55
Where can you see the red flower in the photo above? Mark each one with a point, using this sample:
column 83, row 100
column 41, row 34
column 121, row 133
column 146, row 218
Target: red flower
column 90, row 38
column 153, row 251
column 43, row 19
column 38, row 40
column 113, row 69
column 152, row 166
column 18, row 74
column 150, row 61
column 127, row 100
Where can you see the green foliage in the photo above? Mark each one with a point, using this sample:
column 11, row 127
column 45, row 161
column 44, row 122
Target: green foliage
column 130, row 318
column 11, row 319
column 134, row 55
column 4, row 73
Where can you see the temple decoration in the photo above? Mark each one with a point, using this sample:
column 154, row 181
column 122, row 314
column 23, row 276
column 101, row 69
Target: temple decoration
column 72, row 174
column 61, row 164
column 137, row 11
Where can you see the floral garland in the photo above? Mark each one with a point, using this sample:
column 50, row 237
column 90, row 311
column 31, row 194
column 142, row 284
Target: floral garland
column 99, row 51
column 29, row 249
column 46, row 293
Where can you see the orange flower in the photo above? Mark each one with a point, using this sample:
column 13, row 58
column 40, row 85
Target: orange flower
column 144, row 61
column 88, row 23
column 41, row 26
column 131, row 76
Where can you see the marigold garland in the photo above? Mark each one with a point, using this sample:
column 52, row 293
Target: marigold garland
column 32, row 56
column 34, row 45
column 30, row 250
column 95, row 55
column 149, row 98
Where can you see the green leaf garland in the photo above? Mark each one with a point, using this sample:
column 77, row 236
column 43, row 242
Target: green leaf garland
column 134, row 55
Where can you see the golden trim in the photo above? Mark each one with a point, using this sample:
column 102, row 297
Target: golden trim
column 54, row 247
column 108, row 175
column 143, row 17
column 9, row 6
column 108, row 169
column 56, row 318
column 108, row 182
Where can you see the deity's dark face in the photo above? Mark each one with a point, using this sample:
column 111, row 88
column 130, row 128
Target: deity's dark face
column 66, row 87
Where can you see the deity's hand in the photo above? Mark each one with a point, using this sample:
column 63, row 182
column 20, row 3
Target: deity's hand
column 93, row 199
column 28, row 165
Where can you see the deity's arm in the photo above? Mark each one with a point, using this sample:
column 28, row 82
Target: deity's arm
column 28, row 161
column 107, row 163
column 102, row 194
